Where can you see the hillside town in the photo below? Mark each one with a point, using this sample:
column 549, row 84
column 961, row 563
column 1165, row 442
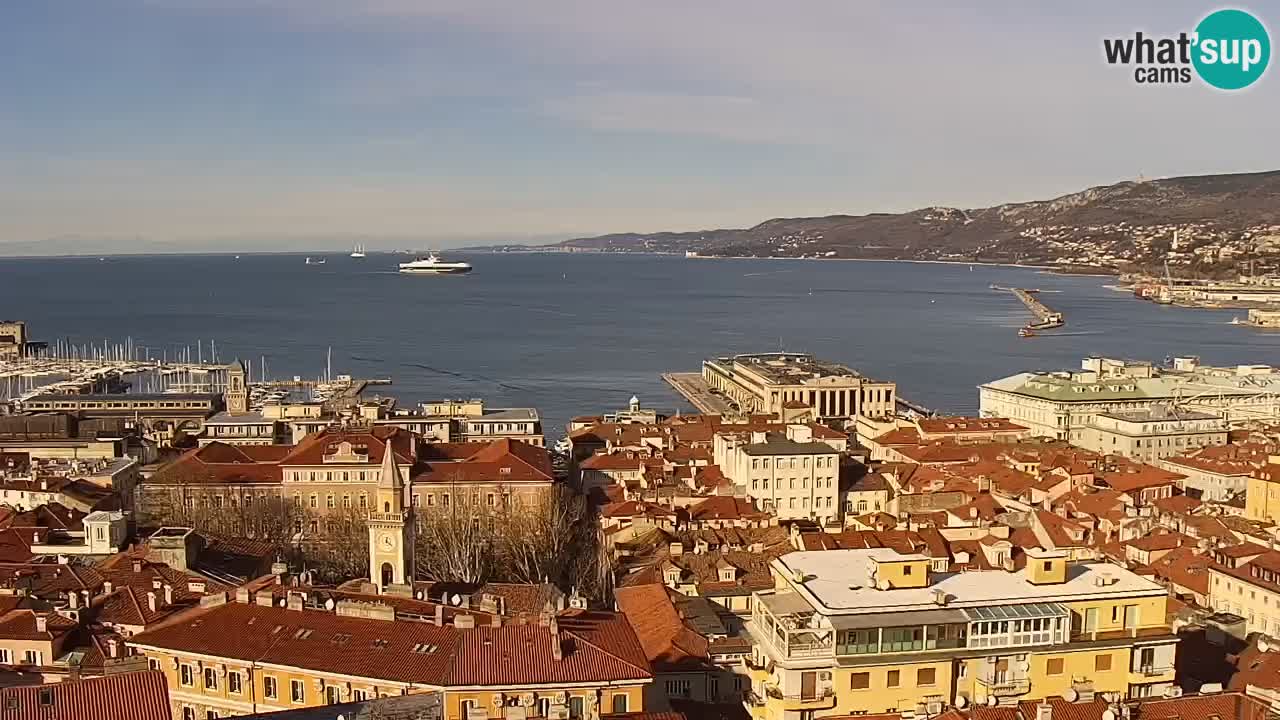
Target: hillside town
column 1096, row 543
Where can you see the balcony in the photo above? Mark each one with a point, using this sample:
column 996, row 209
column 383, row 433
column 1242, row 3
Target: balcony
column 1005, row 686
column 1153, row 670
column 824, row 699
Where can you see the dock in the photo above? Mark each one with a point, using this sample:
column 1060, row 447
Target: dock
column 916, row 408
column 1045, row 317
column 699, row 393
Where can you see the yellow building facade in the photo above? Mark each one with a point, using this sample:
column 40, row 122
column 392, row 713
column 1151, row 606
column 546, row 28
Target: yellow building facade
column 1262, row 495
column 875, row 631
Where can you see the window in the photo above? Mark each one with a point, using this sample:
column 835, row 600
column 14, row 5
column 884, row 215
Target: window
column 186, row 676
column 210, row 679
column 1102, row 662
column 297, row 692
column 233, row 683
column 359, row 695
column 152, row 663
column 859, row 681
column 902, row 639
column 1054, row 666
column 892, row 678
column 188, row 713
column 676, row 688
column 619, row 702
column 906, row 569
column 315, row 502
column 210, row 715
column 926, row 676
column 269, row 689
column 331, row 695
column 576, row 705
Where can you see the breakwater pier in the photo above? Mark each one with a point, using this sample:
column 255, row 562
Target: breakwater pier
column 1046, row 318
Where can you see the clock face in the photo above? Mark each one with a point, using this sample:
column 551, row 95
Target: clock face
column 387, row 541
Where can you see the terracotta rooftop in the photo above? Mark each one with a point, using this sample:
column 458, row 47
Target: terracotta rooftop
column 668, row 643
column 127, row 696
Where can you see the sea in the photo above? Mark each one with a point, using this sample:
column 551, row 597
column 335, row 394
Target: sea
column 575, row 334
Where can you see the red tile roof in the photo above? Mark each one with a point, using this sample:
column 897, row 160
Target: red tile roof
column 219, row 463
column 668, row 643
column 725, row 507
column 503, row 460
column 362, row 647
column 594, row 647
column 373, row 442
column 123, row 696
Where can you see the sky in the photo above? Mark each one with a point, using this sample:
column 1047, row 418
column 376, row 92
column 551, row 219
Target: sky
column 273, row 124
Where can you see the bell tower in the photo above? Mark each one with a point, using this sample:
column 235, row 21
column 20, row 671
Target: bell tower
column 236, row 397
column 391, row 527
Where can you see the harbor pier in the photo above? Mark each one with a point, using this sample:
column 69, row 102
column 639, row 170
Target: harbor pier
column 1046, row 318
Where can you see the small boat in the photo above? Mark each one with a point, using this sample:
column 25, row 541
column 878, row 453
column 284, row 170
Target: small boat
column 311, row 261
column 358, row 252
column 1237, row 321
column 433, row 265
column 1026, row 332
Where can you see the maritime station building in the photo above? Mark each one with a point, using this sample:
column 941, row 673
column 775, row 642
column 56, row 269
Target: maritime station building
column 875, row 630
column 1067, row 405
column 799, row 387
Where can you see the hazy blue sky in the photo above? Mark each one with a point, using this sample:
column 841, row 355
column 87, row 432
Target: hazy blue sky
column 147, row 121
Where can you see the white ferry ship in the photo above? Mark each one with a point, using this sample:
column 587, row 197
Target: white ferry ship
column 433, row 265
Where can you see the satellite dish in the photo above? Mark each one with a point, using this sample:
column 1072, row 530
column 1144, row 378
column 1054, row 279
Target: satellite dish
column 1108, row 714
column 992, row 700
column 329, row 604
column 961, row 701
column 455, row 600
column 1070, row 695
column 1263, row 645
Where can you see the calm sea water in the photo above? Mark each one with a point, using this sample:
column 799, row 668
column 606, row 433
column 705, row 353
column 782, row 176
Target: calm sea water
column 575, row 334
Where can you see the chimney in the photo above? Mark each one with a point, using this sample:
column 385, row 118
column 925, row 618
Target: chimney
column 295, row 601
column 42, row 623
column 137, row 566
column 557, row 649
column 1044, row 711
column 495, row 621
column 464, row 622
column 440, row 615
column 155, row 583
column 113, row 647
column 168, row 594
column 151, row 600
column 107, row 587
column 973, row 513
column 73, row 600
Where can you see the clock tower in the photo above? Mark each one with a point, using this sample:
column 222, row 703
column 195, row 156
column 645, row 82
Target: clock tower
column 391, row 527
column 236, row 398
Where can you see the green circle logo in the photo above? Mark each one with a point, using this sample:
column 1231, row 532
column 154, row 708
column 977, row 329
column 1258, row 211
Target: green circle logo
column 1232, row 49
